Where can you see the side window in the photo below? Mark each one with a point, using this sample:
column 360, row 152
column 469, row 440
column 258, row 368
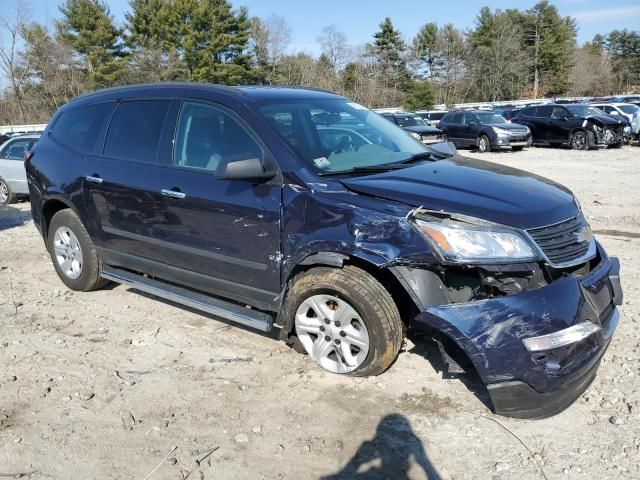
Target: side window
column 80, row 127
column 559, row 112
column 528, row 112
column 457, row 118
column 544, row 112
column 15, row 150
column 135, row 129
column 207, row 134
column 468, row 119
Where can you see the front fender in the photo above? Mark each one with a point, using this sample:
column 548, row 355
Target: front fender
column 341, row 222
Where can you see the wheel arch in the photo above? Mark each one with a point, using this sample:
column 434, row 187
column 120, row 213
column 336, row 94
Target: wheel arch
column 380, row 271
column 49, row 208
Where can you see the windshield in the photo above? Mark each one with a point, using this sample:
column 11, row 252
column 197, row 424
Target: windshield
column 337, row 135
column 630, row 109
column 490, row 118
column 582, row 110
column 410, row 121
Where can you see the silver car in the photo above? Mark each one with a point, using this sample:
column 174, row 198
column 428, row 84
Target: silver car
column 13, row 179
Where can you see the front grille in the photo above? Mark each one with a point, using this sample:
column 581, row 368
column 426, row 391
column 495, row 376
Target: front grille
column 517, row 133
column 565, row 241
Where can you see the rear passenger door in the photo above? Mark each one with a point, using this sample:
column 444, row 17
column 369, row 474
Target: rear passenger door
column 122, row 183
column 222, row 236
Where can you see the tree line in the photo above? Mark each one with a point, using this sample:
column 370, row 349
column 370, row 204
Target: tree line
column 508, row 54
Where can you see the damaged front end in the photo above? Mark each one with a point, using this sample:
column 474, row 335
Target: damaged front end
column 605, row 135
column 534, row 330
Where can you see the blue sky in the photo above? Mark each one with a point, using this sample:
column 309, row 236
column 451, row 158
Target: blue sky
column 360, row 18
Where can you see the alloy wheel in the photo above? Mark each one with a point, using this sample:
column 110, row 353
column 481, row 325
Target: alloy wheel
column 4, row 193
column 579, row 141
column 332, row 332
column 68, row 252
column 482, row 144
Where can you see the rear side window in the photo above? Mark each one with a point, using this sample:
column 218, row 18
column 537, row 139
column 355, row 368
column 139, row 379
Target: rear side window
column 544, row 112
column 457, row 118
column 80, row 127
column 135, row 129
column 526, row 112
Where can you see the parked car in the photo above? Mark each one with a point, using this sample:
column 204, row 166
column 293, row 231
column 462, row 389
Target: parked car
column 417, row 127
column 629, row 111
column 227, row 199
column 13, row 179
column 580, row 126
column 434, row 116
column 484, row 130
column 624, row 110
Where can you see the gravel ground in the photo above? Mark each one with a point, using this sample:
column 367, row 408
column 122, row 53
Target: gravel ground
column 112, row 384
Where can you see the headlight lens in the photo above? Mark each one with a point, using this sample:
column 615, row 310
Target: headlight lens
column 415, row 135
column 461, row 242
column 500, row 131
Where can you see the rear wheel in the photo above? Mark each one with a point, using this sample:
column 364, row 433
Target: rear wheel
column 483, row 144
column 346, row 320
column 6, row 194
column 73, row 254
column 580, row 140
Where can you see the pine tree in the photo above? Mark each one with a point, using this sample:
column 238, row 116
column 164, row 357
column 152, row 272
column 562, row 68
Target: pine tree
column 425, row 46
column 420, row 96
column 390, row 49
column 87, row 27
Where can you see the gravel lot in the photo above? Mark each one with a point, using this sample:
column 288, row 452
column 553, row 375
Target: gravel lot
column 111, row 384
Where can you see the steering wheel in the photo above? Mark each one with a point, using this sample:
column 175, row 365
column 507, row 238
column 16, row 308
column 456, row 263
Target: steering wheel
column 346, row 144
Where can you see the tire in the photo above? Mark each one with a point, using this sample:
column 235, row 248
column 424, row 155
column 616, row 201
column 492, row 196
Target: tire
column 6, row 194
column 580, row 141
column 517, row 149
column 331, row 332
column 82, row 273
column 484, row 145
column 445, row 137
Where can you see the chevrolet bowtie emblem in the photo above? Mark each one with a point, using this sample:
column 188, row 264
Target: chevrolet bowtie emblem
column 583, row 235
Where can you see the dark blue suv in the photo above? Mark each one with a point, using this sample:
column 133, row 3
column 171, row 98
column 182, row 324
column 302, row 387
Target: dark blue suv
column 302, row 210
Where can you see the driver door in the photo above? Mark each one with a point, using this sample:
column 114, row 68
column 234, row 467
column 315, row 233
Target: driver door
column 219, row 235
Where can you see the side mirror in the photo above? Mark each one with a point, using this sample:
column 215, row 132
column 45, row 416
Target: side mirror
column 243, row 169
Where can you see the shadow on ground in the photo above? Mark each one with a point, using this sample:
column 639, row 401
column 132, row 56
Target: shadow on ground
column 426, row 347
column 389, row 454
column 12, row 217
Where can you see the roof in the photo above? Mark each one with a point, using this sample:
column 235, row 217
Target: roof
column 262, row 92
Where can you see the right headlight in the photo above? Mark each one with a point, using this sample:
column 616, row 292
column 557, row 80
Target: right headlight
column 500, row 131
column 460, row 242
column 415, row 135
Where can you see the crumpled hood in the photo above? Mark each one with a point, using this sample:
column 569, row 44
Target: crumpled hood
column 607, row 120
column 423, row 129
column 471, row 187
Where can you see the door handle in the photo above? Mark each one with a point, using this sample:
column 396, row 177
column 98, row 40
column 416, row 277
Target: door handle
column 172, row 193
column 93, row 178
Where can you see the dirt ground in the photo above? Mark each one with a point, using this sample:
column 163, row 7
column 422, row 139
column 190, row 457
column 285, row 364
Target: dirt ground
column 116, row 385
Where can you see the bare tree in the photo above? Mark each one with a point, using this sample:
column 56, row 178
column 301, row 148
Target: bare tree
column 335, row 46
column 14, row 66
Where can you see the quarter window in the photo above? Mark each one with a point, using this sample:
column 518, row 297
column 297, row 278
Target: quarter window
column 135, row 129
column 208, row 134
column 81, row 127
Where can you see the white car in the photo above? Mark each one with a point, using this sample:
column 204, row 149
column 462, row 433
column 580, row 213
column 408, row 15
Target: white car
column 13, row 178
column 627, row 110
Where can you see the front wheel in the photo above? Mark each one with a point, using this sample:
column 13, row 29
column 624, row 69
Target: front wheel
column 483, row 144
column 580, row 140
column 346, row 320
column 6, row 194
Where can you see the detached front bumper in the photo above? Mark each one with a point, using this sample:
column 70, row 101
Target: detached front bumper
column 534, row 382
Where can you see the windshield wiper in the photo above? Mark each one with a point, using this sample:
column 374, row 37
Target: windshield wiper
column 383, row 167
column 431, row 154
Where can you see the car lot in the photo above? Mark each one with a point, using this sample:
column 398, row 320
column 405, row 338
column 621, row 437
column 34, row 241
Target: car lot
column 106, row 384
